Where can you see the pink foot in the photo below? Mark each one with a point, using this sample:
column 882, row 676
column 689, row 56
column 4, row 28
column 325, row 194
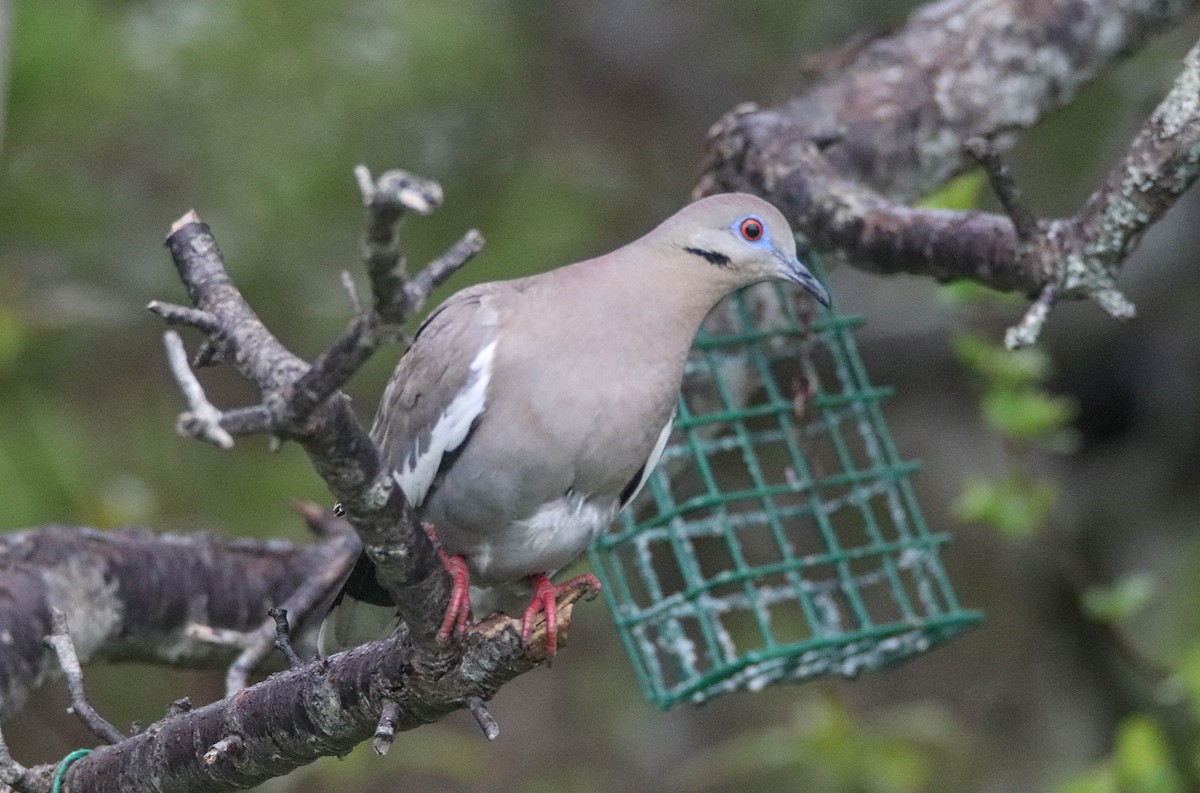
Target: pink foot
column 459, row 610
column 545, row 599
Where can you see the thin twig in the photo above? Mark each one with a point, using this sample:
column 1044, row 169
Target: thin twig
column 300, row 403
column 204, row 420
column 385, row 730
column 1026, row 332
column 437, row 271
column 64, row 648
column 221, row 636
column 321, row 521
column 12, row 773
column 229, row 746
column 283, row 639
column 1000, row 177
column 491, row 729
column 208, row 354
column 387, row 199
column 356, row 302
column 184, row 315
column 313, row 592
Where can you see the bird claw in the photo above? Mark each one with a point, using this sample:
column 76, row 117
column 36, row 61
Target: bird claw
column 459, row 610
column 545, row 599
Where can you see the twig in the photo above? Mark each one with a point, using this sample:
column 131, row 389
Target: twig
column 437, row 271
column 228, row 746
column 395, row 297
column 343, row 552
column 356, row 303
column 181, row 705
column 221, row 636
column 301, row 402
column 483, row 718
column 60, row 641
column 853, row 196
column 208, row 354
column 321, row 521
column 1025, row 332
column 184, row 315
column 204, row 420
column 1024, row 220
column 385, row 730
column 387, row 199
column 283, row 640
column 12, row 773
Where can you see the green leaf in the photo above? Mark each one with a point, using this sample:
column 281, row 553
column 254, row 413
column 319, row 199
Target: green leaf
column 998, row 365
column 1119, row 601
column 961, row 193
column 1098, row 780
column 1027, row 414
column 964, row 292
column 1012, row 505
column 1187, row 676
column 1142, row 760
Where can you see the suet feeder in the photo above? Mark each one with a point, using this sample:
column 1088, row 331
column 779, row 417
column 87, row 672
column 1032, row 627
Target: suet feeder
column 779, row 539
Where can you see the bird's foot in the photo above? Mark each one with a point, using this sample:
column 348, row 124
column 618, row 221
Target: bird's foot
column 545, row 599
column 459, row 610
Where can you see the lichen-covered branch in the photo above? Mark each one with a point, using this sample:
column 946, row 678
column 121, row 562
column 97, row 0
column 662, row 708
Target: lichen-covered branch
column 301, row 403
column 310, row 595
column 130, row 595
column 313, row 711
column 891, row 125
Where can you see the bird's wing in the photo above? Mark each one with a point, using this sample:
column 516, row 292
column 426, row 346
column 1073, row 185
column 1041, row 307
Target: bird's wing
column 643, row 474
column 438, row 392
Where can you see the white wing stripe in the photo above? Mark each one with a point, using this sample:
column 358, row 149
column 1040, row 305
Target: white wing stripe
column 451, row 429
column 654, row 457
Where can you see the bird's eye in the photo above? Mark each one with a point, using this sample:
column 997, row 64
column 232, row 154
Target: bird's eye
column 752, row 229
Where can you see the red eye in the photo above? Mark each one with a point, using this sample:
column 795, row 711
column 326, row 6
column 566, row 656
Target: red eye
column 752, row 229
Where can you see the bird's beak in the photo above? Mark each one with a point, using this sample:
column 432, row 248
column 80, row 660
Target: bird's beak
column 790, row 269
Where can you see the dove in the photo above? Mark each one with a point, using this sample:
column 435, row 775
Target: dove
column 527, row 413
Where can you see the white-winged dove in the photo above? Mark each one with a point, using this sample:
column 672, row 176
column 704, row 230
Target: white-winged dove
column 527, row 413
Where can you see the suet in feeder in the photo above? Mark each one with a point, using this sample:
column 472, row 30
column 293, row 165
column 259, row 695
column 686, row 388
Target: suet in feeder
column 779, row 539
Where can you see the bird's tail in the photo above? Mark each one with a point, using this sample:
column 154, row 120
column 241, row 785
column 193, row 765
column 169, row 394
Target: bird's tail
column 362, row 612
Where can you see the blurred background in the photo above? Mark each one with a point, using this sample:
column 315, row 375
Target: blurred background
column 1068, row 475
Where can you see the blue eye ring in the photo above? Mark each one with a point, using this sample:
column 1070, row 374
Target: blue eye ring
column 752, row 229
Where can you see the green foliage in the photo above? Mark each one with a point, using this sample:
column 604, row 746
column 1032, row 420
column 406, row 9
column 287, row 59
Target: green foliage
column 1000, row 367
column 825, row 748
column 961, row 193
column 1017, row 407
column 1120, row 601
column 965, row 293
column 1013, row 504
column 1140, row 763
column 1186, row 678
column 1028, row 414
column 1014, row 402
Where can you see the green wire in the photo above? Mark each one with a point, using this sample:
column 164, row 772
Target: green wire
column 60, row 773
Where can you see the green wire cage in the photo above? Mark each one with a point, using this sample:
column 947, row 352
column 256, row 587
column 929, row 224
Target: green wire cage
column 779, row 539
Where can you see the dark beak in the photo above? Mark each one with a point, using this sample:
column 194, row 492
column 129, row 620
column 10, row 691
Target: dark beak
column 791, row 269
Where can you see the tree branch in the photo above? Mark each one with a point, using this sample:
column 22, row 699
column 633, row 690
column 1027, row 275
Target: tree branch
column 315, row 591
column 338, row 447
column 130, row 596
column 64, row 648
column 892, row 125
column 315, row 710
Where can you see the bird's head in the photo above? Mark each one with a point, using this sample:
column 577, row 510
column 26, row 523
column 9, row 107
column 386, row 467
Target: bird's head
column 740, row 239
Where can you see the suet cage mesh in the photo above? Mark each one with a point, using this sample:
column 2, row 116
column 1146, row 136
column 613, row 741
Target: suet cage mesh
column 779, row 538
